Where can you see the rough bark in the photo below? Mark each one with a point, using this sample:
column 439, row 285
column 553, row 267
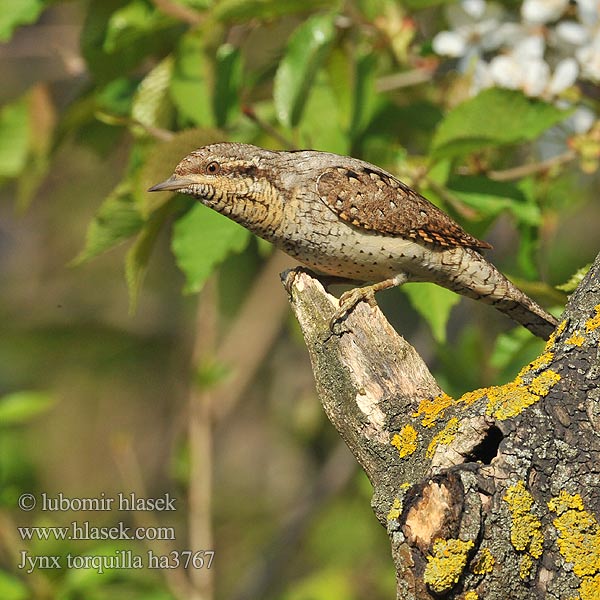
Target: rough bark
column 493, row 495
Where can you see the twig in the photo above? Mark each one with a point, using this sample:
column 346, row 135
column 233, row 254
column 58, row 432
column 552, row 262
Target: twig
column 200, row 439
column 41, row 586
column 529, row 169
column 259, row 321
column 268, row 128
column 163, row 135
column 179, row 12
column 450, row 199
column 402, row 80
column 129, row 469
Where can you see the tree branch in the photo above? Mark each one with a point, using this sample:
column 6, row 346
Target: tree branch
column 492, row 495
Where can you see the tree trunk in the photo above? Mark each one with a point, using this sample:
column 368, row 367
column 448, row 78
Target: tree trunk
column 494, row 495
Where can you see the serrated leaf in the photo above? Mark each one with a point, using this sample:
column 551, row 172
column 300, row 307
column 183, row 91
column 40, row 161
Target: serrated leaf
column 434, row 304
column 490, row 198
column 14, row 137
column 494, row 117
column 116, row 220
column 161, row 162
column 228, row 72
column 575, row 279
column 202, row 239
column 151, row 104
column 306, row 50
column 136, row 262
column 20, row 407
column 17, row 12
column 190, row 87
column 244, row 10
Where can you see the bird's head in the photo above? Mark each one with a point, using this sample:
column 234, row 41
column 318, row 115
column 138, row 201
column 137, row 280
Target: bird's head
column 220, row 175
column 238, row 180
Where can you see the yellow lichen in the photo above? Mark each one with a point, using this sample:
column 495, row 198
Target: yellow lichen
column 444, row 568
column 544, row 382
column 578, row 534
column 525, row 565
column 471, row 397
column 542, row 361
column 484, row 562
column 431, row 410
column 526, row 528
column 575, row 340
column 556, row 333
column 405, row 441
column 590, row 588
column 594, row 322
column 396, row 510
column 443, row 437
column 509, row 400
column 470, row 595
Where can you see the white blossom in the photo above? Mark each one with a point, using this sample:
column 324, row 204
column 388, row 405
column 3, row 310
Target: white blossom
column 589, row 58
column 474, row 26
column 543, row 11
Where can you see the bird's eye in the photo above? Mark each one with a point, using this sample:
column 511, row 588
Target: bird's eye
column 213, row 167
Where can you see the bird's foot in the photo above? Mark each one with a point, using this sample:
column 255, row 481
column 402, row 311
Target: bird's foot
column 348, row 300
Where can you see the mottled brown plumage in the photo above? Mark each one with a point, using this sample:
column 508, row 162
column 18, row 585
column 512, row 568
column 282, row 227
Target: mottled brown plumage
column 373, row 200
column 347, row 218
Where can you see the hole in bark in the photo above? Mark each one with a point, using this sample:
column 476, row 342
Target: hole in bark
column 487, row 449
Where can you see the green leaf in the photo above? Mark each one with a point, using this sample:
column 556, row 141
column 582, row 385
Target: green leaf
column 151, row 105
column 307, row 49
column 17, row 12
column 244, row 10
column 365, row 97
column 321, row 128
column 493, row 117
column 527, row 253
column 117, row 220
column 202, row 239
column 128, row 25
column 490, row 198
column 574, row 280
column 190, row 87
column 20, row 407
column 228, row 71
column 14, row 137
column 11, row 587
column 116, row 98
column 117, row 36
column 434, row 303
column 136, row 262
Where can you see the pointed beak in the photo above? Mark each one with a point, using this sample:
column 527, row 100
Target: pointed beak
column 174, row 183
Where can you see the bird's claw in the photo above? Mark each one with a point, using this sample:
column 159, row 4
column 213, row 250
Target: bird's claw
column 347, row 302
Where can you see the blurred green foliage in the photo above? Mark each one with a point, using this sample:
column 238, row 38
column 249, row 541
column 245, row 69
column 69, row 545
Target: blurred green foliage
column 163, row 78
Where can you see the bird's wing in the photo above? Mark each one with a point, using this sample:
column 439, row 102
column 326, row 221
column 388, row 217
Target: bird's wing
column 373, row 200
